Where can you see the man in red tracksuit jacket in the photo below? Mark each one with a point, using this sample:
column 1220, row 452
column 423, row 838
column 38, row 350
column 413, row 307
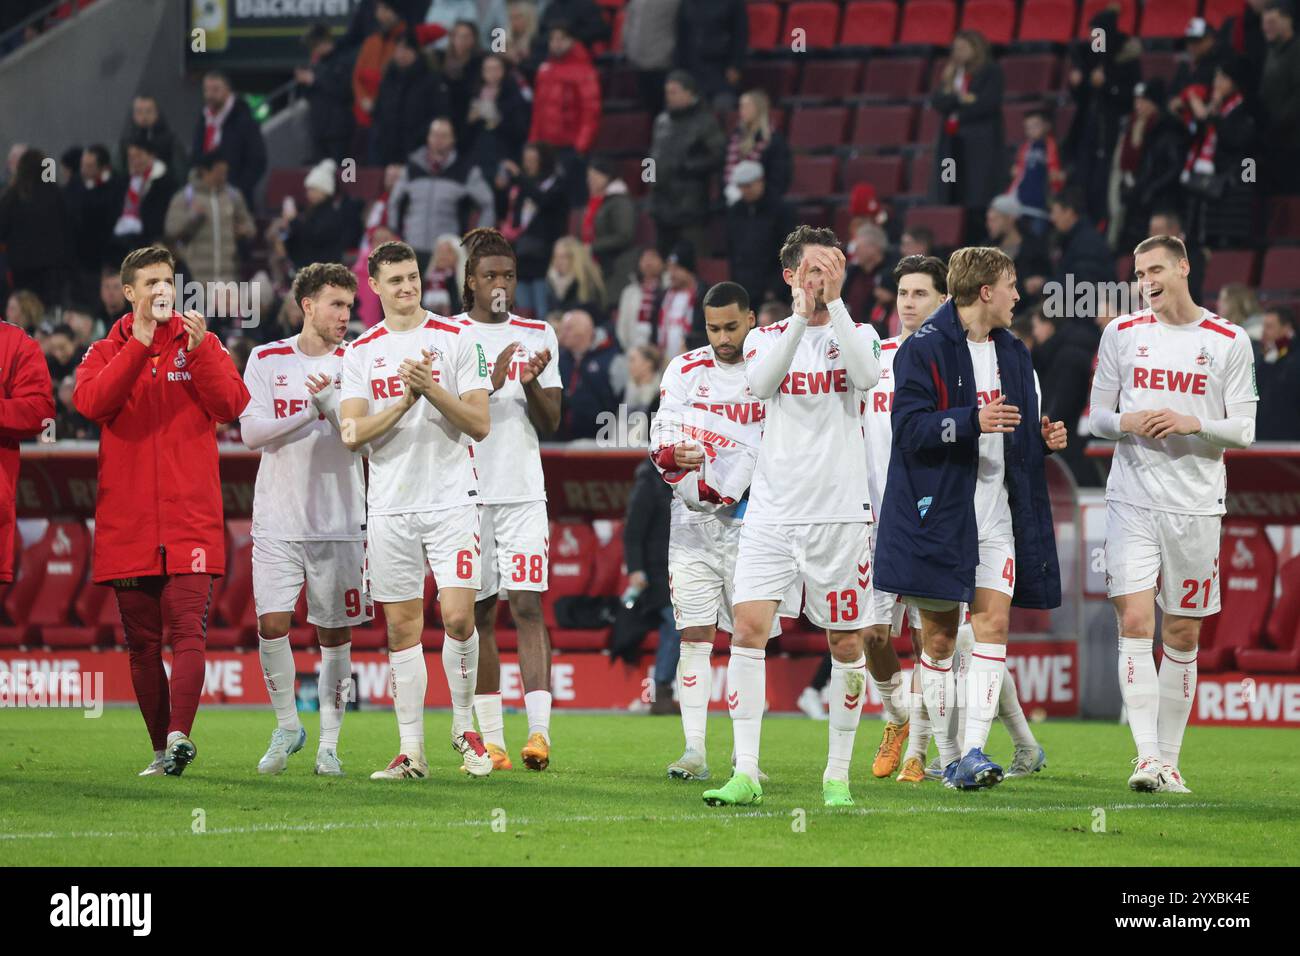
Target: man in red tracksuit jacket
column 26, row 406
column 158, row 384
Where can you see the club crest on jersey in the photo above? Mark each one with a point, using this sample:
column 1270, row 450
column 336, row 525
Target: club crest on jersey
column 282, row 380
column 833, row 349
column 435, row 355
column 1203, row 357
column 1143, row 351
column 180, row 359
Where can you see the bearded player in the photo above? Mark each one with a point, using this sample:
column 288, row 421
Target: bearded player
column 704, row 441
column 309, row 512
column 809, row 515
column 524, row 404
column 415, row 390
column 1174, row 387
column 966, row 516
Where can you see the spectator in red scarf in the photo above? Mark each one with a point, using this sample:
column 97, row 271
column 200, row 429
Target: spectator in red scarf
column 1221, row 208
column 970, row 101
column 639, row 300
column 227, row 124
column 609, row 223
column 679, row 319
column 1037, row 175
column 146, row 194
column 1151, row 148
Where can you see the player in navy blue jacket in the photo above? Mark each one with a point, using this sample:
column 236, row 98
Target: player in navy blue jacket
column 966, row 515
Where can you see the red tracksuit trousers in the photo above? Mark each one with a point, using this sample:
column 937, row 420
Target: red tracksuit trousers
column 174, row 608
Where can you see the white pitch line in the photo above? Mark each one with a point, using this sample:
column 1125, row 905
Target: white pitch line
column 721, row 816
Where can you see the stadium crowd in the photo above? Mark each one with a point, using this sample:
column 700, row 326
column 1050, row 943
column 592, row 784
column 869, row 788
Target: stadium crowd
column 485, row 112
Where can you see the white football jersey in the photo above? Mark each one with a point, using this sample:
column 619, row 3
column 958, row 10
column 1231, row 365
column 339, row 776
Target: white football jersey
column 309, row 487
column 992, row 504
column 812, row 464
column 423, row 463
column 509, row 460
column 1196, row 369
column 877, row 427
column 698, row 381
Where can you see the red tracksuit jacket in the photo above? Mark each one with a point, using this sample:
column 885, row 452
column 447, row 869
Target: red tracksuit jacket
column 158, row 510
column 26, row 403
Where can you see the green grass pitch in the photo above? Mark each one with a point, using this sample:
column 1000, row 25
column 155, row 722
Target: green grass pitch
column 69, row 795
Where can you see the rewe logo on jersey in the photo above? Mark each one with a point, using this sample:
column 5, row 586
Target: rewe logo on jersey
column 816, row 383
column 1168, row 380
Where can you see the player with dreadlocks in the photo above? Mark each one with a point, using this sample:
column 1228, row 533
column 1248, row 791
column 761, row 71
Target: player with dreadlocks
column 525, row 402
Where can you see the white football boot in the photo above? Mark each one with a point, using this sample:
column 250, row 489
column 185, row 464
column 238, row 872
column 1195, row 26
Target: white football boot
column 283, row 744
column 1148, row 775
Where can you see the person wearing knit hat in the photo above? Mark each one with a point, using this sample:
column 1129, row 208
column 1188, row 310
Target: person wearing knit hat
column 321, row 179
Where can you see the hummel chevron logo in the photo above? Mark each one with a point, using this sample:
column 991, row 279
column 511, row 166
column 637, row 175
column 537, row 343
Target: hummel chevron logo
column 851, row 700
column 864, row 567
column 863, row 583
column 688, row 680
column 733, row 699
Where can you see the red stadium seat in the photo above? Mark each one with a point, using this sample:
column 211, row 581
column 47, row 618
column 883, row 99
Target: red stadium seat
column 832, row 79
column 818, row 127
column 894, row 79
column 623, row 134
column 814, row 177
column 1013, row 121
column 64, row 551
column 1166, row 18
column 572, row 559
column 871, row 23
column 1047, row 21
column 1032, row 74
column 1281, row 653
column 1247, row 564
column 616, row 32
column 286, row 181
column 945, row 222
column 1161, row 64
column 368, row 186
column 918, row 173
column 712, row 271
column 995, row 19
column 930, row 22
column 1281, row 270
column 1216, row 11
column 931, row 123
column 764, row 25
column 774, row 77
column 885, row 173
column 1228, row 265
column 610, row 576
column 819, row 20
column 1283, row 217
column 887, row 127
column 1127, row 15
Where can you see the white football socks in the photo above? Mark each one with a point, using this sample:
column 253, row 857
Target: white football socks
column 938, row 686
column 848, row 684
column 410, row 682
column 537, row 704
column 1012, row 714
column 1177, row 679
column 893, row 699
column 746, row 699
column 460, row 664
column 1140, row 688
column 278, row 671
column 988, row 664
column 694, row 687
column 487, row 708
column 335, row 689
column 918, row 738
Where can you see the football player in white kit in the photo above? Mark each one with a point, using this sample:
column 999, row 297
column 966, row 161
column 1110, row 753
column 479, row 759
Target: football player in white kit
column 704, row 441
column 525, row 402
column 922, row 288
column 1183, row 380
column 415, row 391
column 309, row 511
column 809, row 515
